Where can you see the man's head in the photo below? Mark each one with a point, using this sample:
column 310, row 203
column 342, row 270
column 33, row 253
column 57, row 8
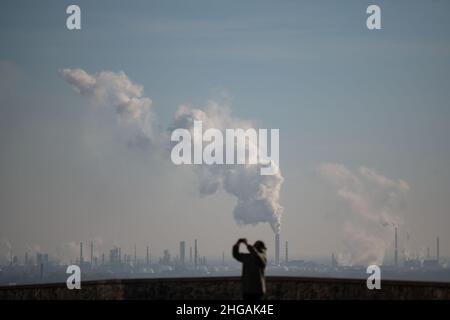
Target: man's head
column 260, row 246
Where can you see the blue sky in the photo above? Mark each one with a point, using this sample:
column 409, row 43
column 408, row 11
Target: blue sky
column 338, row 92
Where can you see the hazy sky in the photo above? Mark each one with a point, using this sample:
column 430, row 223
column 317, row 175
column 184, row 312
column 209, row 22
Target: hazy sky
column 364, row 106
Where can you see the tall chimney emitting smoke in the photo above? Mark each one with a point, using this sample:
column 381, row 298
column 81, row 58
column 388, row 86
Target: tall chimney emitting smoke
column 277, row 249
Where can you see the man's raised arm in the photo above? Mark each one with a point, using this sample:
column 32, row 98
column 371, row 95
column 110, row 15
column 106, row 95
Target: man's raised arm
column 236, row 254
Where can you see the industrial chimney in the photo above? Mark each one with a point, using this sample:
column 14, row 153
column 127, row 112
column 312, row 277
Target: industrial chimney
column 286, row 258
column 437, row 249
column 182, row 252
column 277, row 249
column 195, row 254
column 396, row 249
column 81, row 253
column 92, row 254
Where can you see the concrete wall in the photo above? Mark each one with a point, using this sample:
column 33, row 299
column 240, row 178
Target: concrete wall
column 229, row 288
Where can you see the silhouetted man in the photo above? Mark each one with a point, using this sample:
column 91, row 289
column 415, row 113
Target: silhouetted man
column 253, row 265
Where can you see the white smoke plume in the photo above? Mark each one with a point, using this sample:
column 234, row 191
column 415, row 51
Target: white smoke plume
column 375, row 204
column 67, row 252
column 32, row 249
column 257, row 195
column 115, row 90
column 5, row 250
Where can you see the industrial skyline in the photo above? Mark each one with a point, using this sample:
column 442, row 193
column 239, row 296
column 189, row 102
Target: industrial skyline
column 115, row 254
column 118, row 263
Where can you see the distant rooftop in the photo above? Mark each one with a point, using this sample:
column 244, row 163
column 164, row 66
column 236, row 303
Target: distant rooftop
column 207, row 288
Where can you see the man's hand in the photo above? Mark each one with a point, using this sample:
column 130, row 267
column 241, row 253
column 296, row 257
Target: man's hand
column 242, row 240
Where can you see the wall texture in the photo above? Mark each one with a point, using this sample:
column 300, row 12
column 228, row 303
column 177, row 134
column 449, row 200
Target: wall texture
column 229, row 288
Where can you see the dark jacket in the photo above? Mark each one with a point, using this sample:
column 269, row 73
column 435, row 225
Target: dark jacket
column 253, row 265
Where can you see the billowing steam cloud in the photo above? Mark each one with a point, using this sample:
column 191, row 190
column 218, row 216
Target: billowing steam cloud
column 375, row 203
column 257, row 195
column 115, row 90
column 5, row 250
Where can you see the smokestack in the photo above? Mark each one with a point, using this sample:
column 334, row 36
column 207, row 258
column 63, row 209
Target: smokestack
column 92, row 253
column 135, row 256
column 190, row 255
column 286, row 258
column 223, row 258
column 182, row 251
column 396, row 249
column 277, row 249
column 437, row 249
column 147, row 259
column 195, row 253
column 81, row 253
